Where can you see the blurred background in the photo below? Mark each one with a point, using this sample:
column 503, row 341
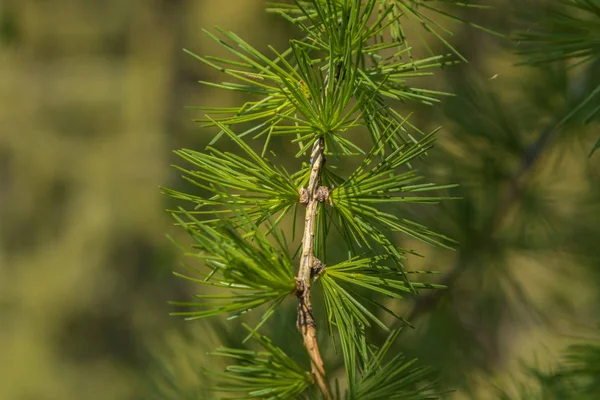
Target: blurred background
column 93, row 100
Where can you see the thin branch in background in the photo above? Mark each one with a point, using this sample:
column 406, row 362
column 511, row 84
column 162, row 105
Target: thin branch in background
column 509, row 198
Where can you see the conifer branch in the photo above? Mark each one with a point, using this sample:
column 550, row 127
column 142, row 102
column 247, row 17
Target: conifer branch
column 306, row 323
column 335, row 79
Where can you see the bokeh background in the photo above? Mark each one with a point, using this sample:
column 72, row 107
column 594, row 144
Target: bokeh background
column 93, row 99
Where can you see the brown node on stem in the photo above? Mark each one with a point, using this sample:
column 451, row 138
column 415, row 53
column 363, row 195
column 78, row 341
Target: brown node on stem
column 322, row 194
column 303, row 196
column 317, row 268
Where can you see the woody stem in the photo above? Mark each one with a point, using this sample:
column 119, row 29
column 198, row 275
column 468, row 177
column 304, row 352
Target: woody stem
column 306, row 323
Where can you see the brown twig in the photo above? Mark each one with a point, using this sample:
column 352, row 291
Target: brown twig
column 306, row 322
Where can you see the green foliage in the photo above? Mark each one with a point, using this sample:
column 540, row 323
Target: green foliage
column 343, row 74
column 516, row 173
column 356, row 198
column 245, row 262
column 292, row 104
column 262, row 190
column 577, row 377
column 397, row 17
column 570, row 31
column 348, row 288
column 295, row 97
column 268, row 374
column 396, row 379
